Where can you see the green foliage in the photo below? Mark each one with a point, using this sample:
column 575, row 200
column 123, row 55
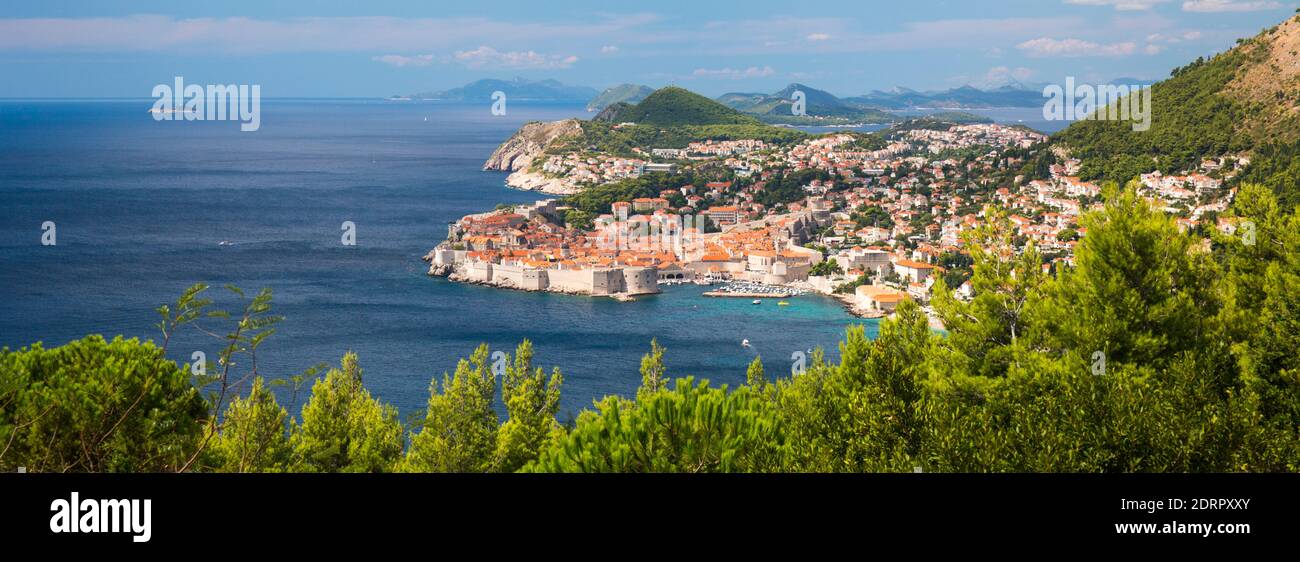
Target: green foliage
column 1194, row 115
column 253, row 437
column 787, row 187
column 1190, row 118
column 97, row 406
column 531, row 404
column 1277, row 167
column 596, row 200
column 754, row 377
column 1139, row 294
column 691, row 428
column 826, row 267
column 343, row 428
column 861, row 415
column 652, row 370
column 871, row 215
column 459, row 433
column 617, row 139
column 985, row 334
column 851, row 286
column 579, row 219
column 673, row 107
column 1262, row 306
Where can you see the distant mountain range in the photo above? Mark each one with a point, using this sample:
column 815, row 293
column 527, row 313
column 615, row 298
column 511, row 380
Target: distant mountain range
column 773, row 107
column 518, row 89
column 622, row 93
column 820, row 105
column 965, row 97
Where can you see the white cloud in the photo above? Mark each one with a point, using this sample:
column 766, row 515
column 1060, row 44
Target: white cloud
column 818, row 36
column 1173, row 38
column 1229, row 6
column 733, row 73
column 487, row 57
column 1048, row 47
column 242, row 35
column 1124, row 5
column 400, row 61
column 609, row 49
column 773, row 35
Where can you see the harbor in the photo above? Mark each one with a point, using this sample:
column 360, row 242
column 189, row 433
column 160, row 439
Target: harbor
column 753, row 291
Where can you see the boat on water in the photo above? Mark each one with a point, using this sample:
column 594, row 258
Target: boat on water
column 783, row 303
column 225, row 243
column 757, row 301
column 744, row 343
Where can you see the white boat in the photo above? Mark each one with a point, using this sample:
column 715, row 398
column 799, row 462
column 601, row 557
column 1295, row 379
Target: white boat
column 756, row 301
column 744, row 343
column 225, row 243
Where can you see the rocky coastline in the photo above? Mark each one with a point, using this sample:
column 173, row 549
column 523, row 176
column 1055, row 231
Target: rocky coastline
column 532, row 181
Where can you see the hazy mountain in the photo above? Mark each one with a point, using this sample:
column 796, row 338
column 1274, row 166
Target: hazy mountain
column 622, row 93
column 819, row 102
column 518, row 89
column 965, row 97
column 820, row 105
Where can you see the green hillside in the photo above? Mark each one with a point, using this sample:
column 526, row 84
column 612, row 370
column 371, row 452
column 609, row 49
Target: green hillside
column 673, row 107
column 1232, row 103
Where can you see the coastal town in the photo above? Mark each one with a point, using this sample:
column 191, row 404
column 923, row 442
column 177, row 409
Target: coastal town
column 870, row 220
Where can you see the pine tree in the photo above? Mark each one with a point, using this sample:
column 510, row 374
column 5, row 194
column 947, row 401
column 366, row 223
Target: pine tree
column 990, row 331
column 754, row 377
column 1140, row 293
column 253, row 435
column 531, row 405
column 690, row 428
column 653, row 378
column 343, row 428
column 460, row 427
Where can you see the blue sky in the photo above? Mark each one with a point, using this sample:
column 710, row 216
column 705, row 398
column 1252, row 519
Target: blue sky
column 330, row 48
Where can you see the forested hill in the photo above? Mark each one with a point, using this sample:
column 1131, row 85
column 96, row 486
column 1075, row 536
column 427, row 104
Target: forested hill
column 1239, row 101
column 673, row 107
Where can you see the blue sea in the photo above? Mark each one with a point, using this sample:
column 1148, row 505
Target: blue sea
column 141, row 206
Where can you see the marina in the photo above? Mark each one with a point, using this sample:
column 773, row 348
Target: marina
column 753, row 291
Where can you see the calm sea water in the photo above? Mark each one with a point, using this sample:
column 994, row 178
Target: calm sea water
column 140, row 207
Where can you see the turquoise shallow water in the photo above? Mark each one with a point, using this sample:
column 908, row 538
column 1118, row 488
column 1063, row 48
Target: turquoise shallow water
column 140, row 207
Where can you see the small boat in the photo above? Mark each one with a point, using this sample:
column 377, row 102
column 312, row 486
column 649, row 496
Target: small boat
column 756, row 301
column 783, row 303
column 744, row 343
column 225, row 243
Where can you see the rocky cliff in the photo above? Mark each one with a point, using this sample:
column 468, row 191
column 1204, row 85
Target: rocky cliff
column 528, row 142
